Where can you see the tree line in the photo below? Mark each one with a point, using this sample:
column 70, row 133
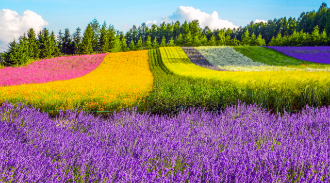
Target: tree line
column 310, row 29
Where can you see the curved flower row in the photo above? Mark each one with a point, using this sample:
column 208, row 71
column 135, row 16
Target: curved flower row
column 53, row 69
column 121, row 80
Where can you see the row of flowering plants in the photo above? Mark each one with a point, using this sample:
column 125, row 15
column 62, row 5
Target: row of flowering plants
column 121, row 80
column 243, row 143
column 48, row 70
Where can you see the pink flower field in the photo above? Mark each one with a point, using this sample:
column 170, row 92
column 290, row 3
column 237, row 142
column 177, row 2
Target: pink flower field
column 53, row 69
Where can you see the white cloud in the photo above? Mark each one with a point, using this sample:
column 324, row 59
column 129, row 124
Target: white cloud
column 189, row 13
column 151, row 22
column 258, row 21
column 13, row 25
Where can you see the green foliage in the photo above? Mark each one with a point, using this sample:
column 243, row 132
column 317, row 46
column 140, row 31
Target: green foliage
column 139, row 45
column 33, row 44
column 315, row 37
column 188, row 39
column 87, row 42
column 222, row 38
column 203, row 40
column 196, row 41
column 123, row 44
column 212, row 41
column 253, row 40
column 67, row 46
column 47, row 44
column 171, row 43
column 132, row 46
column 260, row 41
column 77, row 41
column 163, row 43
column 104, row 39
column 155, row 43
column 179, row 40
column 235, row 42
column 116, row 45
column 148, row 44
column 245, row 41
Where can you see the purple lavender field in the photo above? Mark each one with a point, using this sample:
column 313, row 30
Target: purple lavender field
column 198, row 59
column 241, row 144
column 317, row 54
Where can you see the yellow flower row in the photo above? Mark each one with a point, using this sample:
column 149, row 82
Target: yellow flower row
column 121, row 80
column 295, row 81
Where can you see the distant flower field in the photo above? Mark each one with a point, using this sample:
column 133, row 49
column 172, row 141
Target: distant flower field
column 317, row 54
column 121, row 80
column 47, row 70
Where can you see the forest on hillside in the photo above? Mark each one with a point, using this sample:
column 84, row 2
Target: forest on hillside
column 309, row 29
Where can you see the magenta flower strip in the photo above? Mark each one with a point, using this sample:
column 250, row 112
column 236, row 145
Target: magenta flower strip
column 53, row 69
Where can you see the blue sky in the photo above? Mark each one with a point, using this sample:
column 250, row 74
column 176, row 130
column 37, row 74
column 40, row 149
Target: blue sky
column 123, row 14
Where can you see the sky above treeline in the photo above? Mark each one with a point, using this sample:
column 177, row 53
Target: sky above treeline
column 17, row 16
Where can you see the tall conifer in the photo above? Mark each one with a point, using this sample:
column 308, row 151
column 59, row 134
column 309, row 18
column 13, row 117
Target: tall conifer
column 171, row 43
column 123, row 44
column 33, row 44
column 104, row 39
column 179, row 40
column 139, row 45
column 212, row 41
column 148, row 43
column 132, row 46
column 116, row 45
column 245, row 40
column 87, row 42
column 163, row 43
column 188, row 39
column 155, row 43
column 222, row 38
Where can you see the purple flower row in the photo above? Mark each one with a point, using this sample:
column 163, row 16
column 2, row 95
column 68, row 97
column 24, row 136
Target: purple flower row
column 198, row 59
column 317, row 54
column 241, row 144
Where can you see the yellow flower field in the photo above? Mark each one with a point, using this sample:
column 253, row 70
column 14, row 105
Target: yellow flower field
column 177, row 61
column 122, row 80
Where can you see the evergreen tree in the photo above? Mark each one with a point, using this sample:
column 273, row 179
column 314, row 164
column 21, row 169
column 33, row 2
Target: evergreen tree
column 139, row 45
column 155, row 43
column 87, row 42
column 33, row 44
column 302, row 38
column 116, row 45
column 77, row 41
column 12, row 56
column 260, row 41
column 196, row 41
column 104, row 39
column 188, row 39
column 278, row 39
column 253, row 40
column 123, row 44
column 163, row 43
column 111, row 37
column 212, row 41
column 222, row 38
column 228, row 37
column 53, row 46
column 294, row 39
column 132, row 46
column 245, row 40
column 235, row 42
column 67, row 44
column 46, row 46
column 179, row 40
column 95, row 26
column 171, row 43
column 315, row 36
column 324, row 38
column 204, row 41
column 148, row 44
column 272, row 42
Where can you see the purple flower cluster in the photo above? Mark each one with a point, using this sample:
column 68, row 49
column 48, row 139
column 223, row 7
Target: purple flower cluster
column 317, row 54
column 198, row 59
column 241, row 144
